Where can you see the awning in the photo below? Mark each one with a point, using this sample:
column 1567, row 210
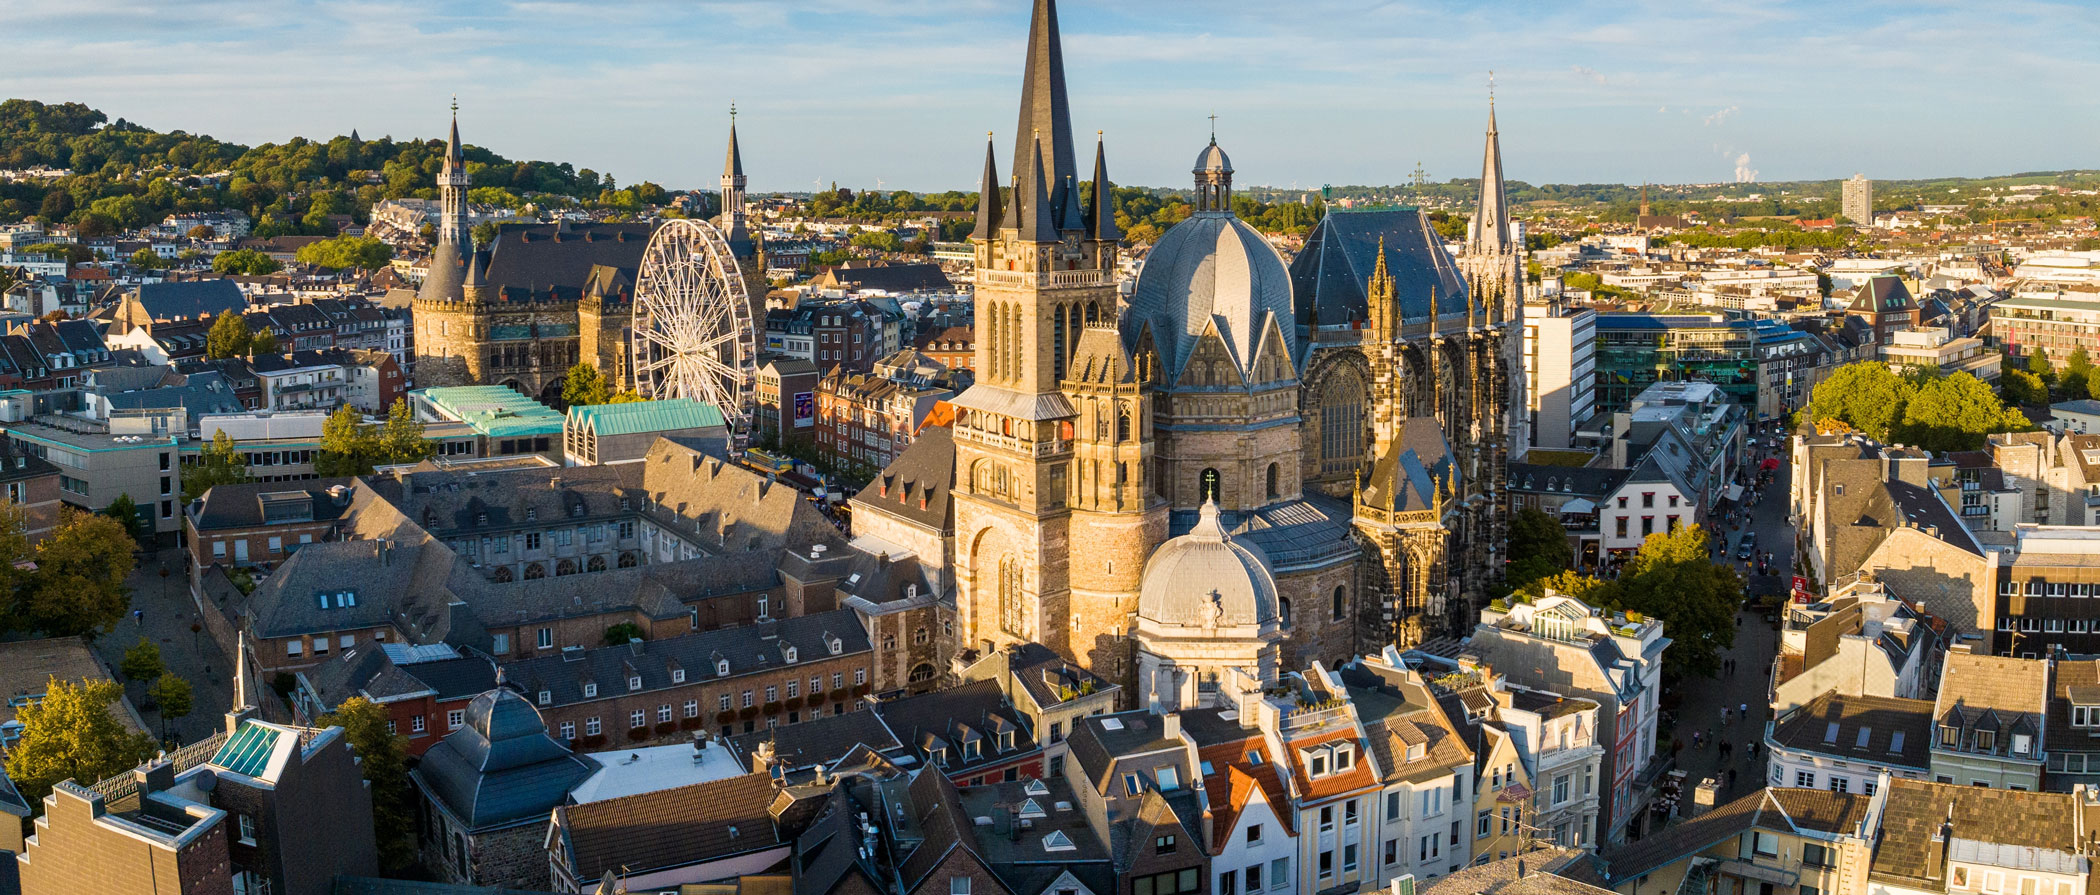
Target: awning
column 1771, row 462
column 1735, row 491
column 1579, row 505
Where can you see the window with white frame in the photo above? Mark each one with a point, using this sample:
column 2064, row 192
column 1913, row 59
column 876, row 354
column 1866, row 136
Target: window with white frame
column 590, row 726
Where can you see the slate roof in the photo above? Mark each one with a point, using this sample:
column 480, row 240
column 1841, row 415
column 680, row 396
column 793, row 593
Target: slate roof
column 1307, row 533
column 1330, row 275
column 537, row 259
column 501, row 768
column 1591, row 482
column 2074, row 682
column 377, row 576
column 373, row 674
column 670, row 828
column 241, row 505
column 191, row 299
column 918, row 485
column 1882, row 293
column 747, row 648
column 1021, row 858
column 818, row 741
column 1771, row 808
column 1862, row 728
column 2003, row 695
column 1532, row 873
column 1915, row 811
column 947, row 719
column 1414, row 468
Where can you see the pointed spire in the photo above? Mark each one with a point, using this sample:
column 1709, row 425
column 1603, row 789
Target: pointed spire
column 455, row 156
column 988, row 196
column 1046, row 117
column 1034, row 217
column 733, row 166
column 1068, row 216
column 1491, row 231
column 1103, row 227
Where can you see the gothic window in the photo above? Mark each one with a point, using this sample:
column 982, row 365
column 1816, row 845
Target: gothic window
column 1100, row 423
column 535, row 571
column 627, row 560
column 1013, row 616
column 1341, row 602
column 1093, row 312
column 1122, row 425
column 565, row 567
column 597, row 564
column 1341, row 423
column 998, row 347
column 1274, row 481
column 1057, row 343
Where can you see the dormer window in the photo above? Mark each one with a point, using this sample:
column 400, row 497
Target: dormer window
column 1006, row 740
column 837, row 646
column 1950, row 736
column 1316, row 764
column 2085, row 716
column 546, row 697
column 971, row 751
column 1986, row 741
column 938, row 756
column 532, row 513
column 1344, row 758
column 1415, row 751
column 634, row 682
column 678, row 675
column 590, row 691
column 722, row 668
column 789, row 655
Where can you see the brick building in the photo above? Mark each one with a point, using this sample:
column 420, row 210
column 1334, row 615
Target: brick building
column 954, row 347
column 424, row 689
column 865, row 421
column 31, row 484
column 729, row 680
column 262, row 522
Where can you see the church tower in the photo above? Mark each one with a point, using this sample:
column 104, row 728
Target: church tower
column 1494, row 266
column 750, row 254
column 446, row 329
column 1045, row 274
column 452, row 190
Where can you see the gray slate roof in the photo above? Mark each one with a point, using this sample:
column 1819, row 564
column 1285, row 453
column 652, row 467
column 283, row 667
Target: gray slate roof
column 747, row 648
column 192, row 299
column 1328, row 278
column 501, row 768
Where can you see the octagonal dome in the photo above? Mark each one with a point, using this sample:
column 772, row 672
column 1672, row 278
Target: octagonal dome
column 1212, row 267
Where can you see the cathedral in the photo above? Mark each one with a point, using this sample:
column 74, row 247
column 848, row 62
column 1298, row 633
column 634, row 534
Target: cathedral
column 1250, row 464
column 541, row 297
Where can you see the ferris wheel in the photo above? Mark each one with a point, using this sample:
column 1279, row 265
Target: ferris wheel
column 693, row 332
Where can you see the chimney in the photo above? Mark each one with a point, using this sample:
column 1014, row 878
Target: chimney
column 1170, row 726
column 156, row 775
column 1704, row 798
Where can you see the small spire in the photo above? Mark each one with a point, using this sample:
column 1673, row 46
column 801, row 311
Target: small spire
column 987, row 196
column 1103, row 226
column 1036, row 223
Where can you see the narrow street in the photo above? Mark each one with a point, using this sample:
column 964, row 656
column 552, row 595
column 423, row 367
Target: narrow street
column 166, row 616
column 1746, row 684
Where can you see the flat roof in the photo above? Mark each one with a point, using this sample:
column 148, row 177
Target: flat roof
column 628, row 772
column 493, row 410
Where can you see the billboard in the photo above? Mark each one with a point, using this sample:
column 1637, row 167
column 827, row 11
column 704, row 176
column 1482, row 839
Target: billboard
column 805, row 409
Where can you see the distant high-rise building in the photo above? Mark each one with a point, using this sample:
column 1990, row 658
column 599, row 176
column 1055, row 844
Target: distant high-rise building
column 1858, row 200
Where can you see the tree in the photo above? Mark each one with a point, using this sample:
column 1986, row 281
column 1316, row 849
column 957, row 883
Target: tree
column 383, row 757
column 126, row 512
column 142, row 662
column 202, row 231
column 228, row 337
column 347, row 444
column 2022, row 388
column 2038, row 364
column 400, row 438
column 147, row 259
column 72, row 735
column 217, row 464
column 1539, row 547
column 78, row 587
column 1955, row 413
column 174, row 696
column 485, row 234
column 620, row 634
column 1866, row 396
column 1674, row 578
column 627, row 397
column 264, row 343
column 583, row 385
column 245, row 261
column 360, row 252
column 1594, row 591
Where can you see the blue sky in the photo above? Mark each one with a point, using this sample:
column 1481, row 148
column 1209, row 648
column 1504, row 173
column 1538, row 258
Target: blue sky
column 1306, row 91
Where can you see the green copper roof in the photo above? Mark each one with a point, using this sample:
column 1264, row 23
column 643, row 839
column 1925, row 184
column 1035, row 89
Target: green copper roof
column 634, row 417
column 493, row 410
column 248, row 752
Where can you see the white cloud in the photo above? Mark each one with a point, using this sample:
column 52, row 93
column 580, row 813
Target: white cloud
column 1743, row 172
column 1722, row 116
column 1586, row 73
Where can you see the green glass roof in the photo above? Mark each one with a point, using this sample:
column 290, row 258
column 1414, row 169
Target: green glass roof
column 248, row 752
column 494, row 410
column 646, row 416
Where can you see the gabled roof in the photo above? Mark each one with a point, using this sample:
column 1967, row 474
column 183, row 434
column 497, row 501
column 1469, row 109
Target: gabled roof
column 917, row 485
column 1779, row 810
column 1329, row 277
column 1916, row 810
column 191, row 300
column 670, row 828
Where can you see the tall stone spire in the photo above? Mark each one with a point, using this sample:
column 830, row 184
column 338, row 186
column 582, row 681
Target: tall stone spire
column 1103, row 226
column 988, row 196
column 733, row 224
column 1033, row 218
column 1491, row 230
column 1045, row 114
column 452, row 188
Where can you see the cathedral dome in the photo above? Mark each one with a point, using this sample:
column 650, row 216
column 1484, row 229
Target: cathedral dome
column 1205, row 579
column 1212, row 158
column 1211, row 267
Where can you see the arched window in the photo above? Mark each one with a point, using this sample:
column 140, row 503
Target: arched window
column 628, row 560
column 1210, row 485
column 1122, row 425
column 503, row 574
column 921, row 673
column 535, row 571
column 1012, row 615
column 1341, row 423
column 1283, row 611
column 1341, row 602
column 597, row 564
column 565, row 567
column 1274, row 483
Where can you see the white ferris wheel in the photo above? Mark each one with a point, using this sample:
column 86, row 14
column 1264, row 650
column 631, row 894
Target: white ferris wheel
column 693, row 332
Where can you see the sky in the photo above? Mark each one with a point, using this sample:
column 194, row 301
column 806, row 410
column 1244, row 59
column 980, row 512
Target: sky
column 899, row 93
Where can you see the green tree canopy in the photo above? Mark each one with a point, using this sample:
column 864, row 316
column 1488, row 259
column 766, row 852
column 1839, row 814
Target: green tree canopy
column 78, row 587
column 219, row 463
column 583, row 385
column 228, row 337
column 1538, row 547
column 1940, row 413
column 1866, row 396
column 400, row 438
column 173, row 694
column 147, row 259
column 126, row 513
column 1673, row 578
column 248, row 262
column 2022, row 388
column 1955, row 413
column 142, row 662
column 73, row 252
column 264, row 343
column 485, row 234
column 2038, row 364
column 347, row 444
column 72, row 735
column 342, row 252
column 383, row 757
